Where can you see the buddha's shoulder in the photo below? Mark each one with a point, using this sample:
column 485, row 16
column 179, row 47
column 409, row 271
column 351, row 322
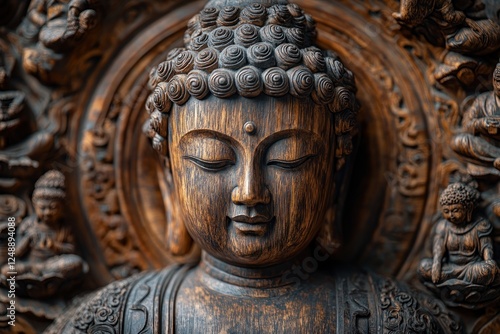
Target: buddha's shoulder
column 367, row 302
column 377, row 304
column 103, row 311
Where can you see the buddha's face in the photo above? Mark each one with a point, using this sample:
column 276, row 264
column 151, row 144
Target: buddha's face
column 496, row 81
column 455, row 213
column 48, row 210
column 253, row 177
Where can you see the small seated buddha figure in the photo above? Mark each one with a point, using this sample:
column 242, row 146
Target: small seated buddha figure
column 253, row 124
column 479, row 143
column 45, row 248
column 462, row 246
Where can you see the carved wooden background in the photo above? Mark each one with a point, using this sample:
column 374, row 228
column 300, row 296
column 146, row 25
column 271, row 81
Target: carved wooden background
column 74, row 78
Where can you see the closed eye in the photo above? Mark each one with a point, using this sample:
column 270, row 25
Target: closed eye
column 212, row 165
column 290, row 164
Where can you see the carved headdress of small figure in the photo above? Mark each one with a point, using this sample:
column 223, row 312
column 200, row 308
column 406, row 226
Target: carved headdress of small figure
column 459, row 193
column 51, row 185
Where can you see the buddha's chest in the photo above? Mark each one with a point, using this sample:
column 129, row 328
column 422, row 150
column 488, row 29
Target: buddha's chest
column 466, row 243
column 204, row 311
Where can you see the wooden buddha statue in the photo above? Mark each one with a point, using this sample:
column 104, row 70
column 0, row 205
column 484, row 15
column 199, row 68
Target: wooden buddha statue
column 254, row 124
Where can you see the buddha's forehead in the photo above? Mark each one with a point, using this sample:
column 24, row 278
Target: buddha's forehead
column 46, row 201
column 454, row 205
column 269, row 116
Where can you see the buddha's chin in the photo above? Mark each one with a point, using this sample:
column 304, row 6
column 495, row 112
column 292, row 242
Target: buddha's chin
column 251, row 249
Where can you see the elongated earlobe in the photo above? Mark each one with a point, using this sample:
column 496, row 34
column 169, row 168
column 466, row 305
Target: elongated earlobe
column 178, row 239
column 179, row 242
column 329, row 236
column 469, row 213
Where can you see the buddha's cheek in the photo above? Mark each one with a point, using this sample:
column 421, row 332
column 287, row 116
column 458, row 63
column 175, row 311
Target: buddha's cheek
column 204, row 198
column 299, row 202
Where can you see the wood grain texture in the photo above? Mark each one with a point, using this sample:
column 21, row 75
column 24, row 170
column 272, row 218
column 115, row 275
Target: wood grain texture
column 75, row 77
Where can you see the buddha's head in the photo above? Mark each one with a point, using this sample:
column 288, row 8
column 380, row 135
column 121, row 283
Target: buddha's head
column 496, row 80
column 48, row 197
column 254, row 123
column 458, row 202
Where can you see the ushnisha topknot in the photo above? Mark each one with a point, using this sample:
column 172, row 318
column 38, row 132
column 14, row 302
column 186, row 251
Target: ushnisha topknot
column 223, row 44
column 266, row 47
column 50, row 186
column 459, row 193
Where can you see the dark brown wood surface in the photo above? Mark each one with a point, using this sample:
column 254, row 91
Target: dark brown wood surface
column 74, row 80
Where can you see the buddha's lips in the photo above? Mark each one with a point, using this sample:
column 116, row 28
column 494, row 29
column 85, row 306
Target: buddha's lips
column 257, row 219
column 256, row 226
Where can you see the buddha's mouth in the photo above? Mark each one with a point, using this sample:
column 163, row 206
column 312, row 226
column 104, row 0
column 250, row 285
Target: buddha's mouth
column 256, row 219
column 256, row 226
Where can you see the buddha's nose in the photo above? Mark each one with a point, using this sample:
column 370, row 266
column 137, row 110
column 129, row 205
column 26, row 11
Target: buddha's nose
column 251, row 190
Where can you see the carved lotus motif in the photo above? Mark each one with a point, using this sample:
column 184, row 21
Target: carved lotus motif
column 457, row 292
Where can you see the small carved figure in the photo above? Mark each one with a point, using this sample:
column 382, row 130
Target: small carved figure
column 58, row 26
column 414, row 12
column 464, row 239
column 462, row 250
column 22, row 145
column 475, row 37
column 457, row 70
column 461, row 26
column 480, row 141
column 45, row 247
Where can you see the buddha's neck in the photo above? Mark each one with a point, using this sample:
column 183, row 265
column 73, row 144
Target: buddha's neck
column 244, row 281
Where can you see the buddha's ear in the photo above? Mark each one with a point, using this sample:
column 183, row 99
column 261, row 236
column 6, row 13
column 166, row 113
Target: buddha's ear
column 179, row 242
column 470, row 210
column 330, row 236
